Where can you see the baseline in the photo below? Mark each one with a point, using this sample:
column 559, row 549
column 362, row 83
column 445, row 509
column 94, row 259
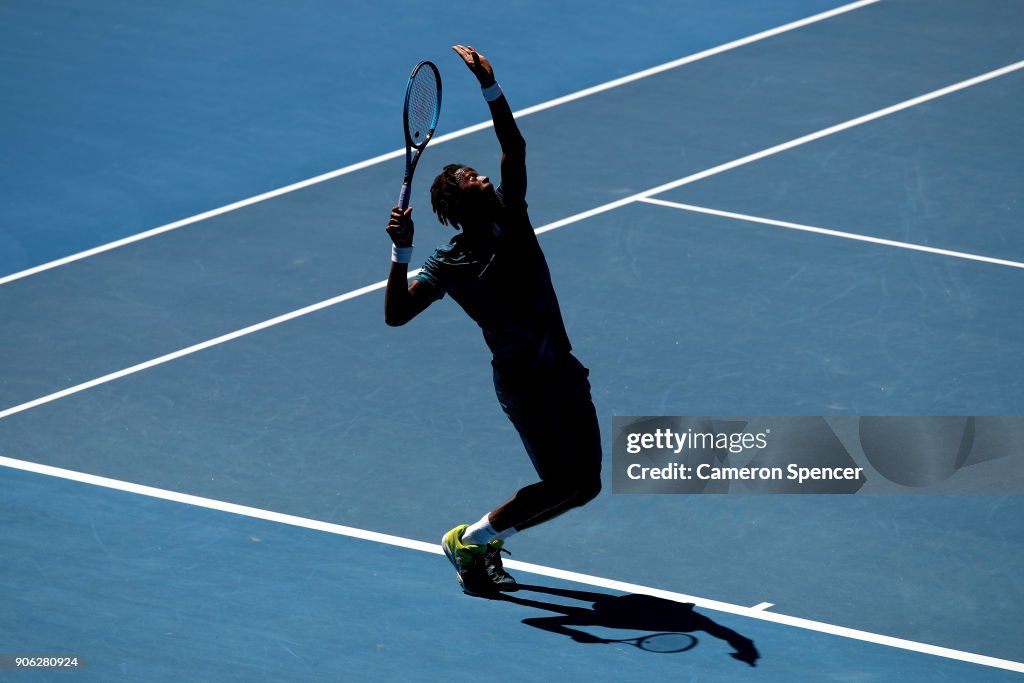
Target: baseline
column 756, row 612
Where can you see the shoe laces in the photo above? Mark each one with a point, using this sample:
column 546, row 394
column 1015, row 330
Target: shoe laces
column 493, row 558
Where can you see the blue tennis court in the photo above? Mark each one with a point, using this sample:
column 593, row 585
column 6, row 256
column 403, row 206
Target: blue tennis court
column 219, row 464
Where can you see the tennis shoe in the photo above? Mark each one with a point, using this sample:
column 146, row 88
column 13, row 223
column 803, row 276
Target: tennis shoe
column 469, row 562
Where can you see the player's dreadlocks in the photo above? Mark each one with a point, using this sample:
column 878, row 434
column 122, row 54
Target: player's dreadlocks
column 444, row 194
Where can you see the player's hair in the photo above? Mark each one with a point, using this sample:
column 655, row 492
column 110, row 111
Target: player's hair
column 444, row 193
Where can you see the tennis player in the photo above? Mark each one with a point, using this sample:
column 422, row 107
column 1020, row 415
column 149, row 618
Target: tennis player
column 495, row 270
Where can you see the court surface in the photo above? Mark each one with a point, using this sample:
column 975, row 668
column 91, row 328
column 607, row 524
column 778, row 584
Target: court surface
column 220, row 464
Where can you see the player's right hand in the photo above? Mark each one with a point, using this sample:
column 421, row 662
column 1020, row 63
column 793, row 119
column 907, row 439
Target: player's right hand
column 400, row 227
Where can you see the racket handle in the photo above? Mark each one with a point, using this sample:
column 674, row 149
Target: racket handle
column 403, row 198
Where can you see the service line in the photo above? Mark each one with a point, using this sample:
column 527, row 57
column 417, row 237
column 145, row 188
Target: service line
column 569, row 220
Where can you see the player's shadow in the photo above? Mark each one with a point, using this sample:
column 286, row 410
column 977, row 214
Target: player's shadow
column 632, row 612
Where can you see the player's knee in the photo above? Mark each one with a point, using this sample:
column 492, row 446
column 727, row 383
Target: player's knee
column 578, row 492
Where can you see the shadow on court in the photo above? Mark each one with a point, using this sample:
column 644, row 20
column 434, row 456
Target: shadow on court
column 628, row 612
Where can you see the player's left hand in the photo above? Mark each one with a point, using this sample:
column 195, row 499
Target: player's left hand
column 477, row 63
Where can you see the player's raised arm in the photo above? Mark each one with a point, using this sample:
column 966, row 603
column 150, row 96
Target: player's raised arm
column 513, row 145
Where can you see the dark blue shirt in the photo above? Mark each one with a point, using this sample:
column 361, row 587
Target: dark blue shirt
column 504, row 285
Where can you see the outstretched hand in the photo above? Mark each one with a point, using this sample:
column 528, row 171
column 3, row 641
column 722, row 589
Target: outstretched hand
column 477, row 63
column 400, row 227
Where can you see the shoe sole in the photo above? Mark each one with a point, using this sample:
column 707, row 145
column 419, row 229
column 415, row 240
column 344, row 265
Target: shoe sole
column 447, row 551
column 451, row 558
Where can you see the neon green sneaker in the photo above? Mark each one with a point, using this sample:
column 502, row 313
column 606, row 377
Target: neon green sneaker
column 468, row 561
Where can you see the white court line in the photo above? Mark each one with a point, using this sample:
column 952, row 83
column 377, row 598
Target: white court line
column 757, row 612
column 396, row 154
column 796, row 142
column 198, row 347
column 833, row 233
column 721, row 168
column 761, row 606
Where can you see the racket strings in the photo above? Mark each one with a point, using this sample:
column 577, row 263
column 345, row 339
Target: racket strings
column 423, row 105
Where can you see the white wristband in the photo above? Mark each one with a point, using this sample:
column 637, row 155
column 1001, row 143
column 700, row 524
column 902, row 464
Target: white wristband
column 401, row 254
column 492, row 92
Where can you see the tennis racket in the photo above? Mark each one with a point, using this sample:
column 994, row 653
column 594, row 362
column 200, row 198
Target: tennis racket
column 661, row 642
column 422, row 109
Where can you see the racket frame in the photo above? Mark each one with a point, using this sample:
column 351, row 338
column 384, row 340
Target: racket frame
column 689, row 637
column 413, row 150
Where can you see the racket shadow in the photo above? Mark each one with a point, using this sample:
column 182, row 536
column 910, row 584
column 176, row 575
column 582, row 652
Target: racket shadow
column 633, row 612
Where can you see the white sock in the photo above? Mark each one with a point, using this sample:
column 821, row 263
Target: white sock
column 502, row 535
column 481, row 532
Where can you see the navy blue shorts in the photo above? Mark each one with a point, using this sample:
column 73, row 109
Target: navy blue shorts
column 553, row 412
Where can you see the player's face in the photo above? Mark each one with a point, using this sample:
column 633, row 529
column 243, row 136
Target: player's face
column 474, row 184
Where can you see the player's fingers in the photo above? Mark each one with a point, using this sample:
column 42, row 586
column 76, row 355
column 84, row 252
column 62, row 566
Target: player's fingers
column 466, row 53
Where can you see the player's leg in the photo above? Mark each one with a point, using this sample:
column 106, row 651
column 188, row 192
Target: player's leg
column 559, row 430
column 565, row 448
